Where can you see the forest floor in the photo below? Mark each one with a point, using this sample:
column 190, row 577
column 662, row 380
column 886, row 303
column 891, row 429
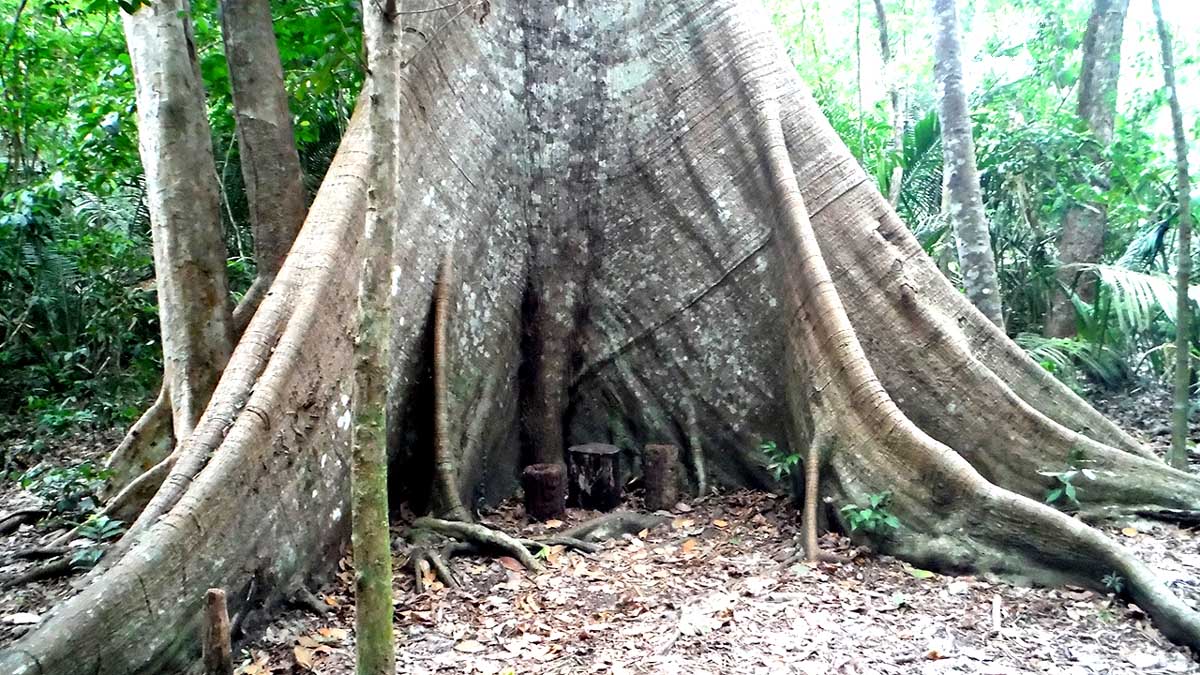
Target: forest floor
column 716, row 589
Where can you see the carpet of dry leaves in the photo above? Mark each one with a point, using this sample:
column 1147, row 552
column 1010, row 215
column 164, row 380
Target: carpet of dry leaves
column 718, row 590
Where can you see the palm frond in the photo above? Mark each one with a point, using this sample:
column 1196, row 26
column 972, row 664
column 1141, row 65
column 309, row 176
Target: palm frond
column 1064, row 356
column 1138, row 298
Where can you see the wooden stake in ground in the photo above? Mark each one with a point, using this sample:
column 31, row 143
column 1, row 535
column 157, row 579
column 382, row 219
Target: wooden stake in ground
column 1178, row 456
column 660, row 476
column 545, row 490
column 218, row 653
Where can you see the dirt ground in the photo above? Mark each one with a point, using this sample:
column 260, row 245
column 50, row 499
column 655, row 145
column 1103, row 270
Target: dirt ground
column 716, row 589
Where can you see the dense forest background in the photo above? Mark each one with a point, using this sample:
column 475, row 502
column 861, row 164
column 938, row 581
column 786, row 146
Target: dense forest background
column 78, row 324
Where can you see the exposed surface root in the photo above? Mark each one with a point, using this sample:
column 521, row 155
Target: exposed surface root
column 949, row 516
column 54, row 568
column 151, row 439
column 611, row 526
column 11, row 521
column 446, row 472
column 304, row 599
column 146, row 444
column 483, row 537
column 570, row 543
column 427, row 562
column 695, row 448
column 40, row 552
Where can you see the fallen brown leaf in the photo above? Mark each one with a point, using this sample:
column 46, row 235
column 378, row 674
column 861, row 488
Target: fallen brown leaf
column 511, row 564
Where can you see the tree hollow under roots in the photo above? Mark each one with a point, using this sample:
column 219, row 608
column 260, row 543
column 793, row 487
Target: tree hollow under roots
column 646, row 214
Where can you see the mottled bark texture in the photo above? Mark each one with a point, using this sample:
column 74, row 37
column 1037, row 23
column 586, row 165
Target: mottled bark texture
column 965, row 207
column 371, row 540
column 715, row 201
column 182, row 196
column 1182, row 404
column 266, row 143
column 1085, row 223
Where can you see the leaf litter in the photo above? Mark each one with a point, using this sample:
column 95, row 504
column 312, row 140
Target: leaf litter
column 719, row 589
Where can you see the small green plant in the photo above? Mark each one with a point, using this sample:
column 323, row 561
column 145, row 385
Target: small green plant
column 875, row 517
column 1065, row 491
column 1114, row 582
column 99, row 529
column 58, row 416
column 69, row 492
column 782, row 463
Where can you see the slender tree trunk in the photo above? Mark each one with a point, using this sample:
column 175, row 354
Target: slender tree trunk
column 270, row 163
column 893, row 86
column 1183, row 311
column 1085, row 223
column 970, row 225
column 175, row 143
column 368, row 473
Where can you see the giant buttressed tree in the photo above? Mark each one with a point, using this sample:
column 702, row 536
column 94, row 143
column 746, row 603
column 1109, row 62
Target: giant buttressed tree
column 647, row 214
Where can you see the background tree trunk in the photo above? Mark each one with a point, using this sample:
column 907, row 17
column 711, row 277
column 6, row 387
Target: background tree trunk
column 975, row 257
column 175, row 143
column 1084, row 225
column 270, row 163
column 1182, row 407
column 891, row 78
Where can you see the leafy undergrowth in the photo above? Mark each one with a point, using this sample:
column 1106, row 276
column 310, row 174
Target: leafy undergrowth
column 717, row 591
column 57, row 472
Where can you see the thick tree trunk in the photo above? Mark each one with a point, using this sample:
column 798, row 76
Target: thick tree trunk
column 1182, row 408
column 975, row 257
column 270, row 163
column 714, row 199
column 1084, row 225
column 182, row 196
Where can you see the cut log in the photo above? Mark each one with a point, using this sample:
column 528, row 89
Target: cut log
column 545, row 490
column 595, row 472
column 660, row 473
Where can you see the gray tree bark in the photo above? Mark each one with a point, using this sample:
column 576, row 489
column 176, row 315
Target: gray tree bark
column 175, row 144
column 969, row 222
column 742, row 277
column 266, row 143
column 1182, row 405
column 275, row 192
column 1085, row 224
